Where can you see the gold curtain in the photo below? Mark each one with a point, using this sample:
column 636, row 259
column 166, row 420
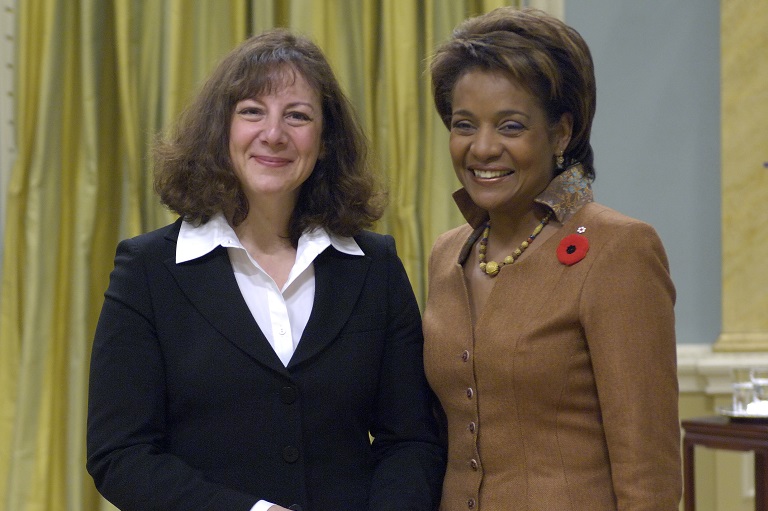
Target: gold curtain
column 96, row 81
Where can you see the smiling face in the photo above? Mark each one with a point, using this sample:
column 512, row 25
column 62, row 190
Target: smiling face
column 275, row 140
column 502, row 146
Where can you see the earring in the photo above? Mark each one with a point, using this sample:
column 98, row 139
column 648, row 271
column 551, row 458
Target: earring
column 560, row 162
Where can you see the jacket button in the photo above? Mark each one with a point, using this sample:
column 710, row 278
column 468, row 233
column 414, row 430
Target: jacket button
column 465, row 355
column 290, row 453
column 470, row 392
column 472, row 427
column 471, row 503
column 473, row 464
column 294, row 507
column 288, row 395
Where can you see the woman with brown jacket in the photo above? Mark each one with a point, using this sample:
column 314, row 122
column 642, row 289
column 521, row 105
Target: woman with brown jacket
column 549, row 326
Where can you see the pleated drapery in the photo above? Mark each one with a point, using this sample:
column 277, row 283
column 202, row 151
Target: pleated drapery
column 96, row 81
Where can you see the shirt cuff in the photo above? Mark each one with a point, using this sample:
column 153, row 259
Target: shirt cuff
column 262, row 505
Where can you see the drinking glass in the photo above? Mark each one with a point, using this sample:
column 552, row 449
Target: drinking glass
column 759, row 378
column 743, row 395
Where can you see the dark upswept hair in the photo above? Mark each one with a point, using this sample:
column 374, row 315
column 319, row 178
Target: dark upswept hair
column 546, row 56
column 194, row 175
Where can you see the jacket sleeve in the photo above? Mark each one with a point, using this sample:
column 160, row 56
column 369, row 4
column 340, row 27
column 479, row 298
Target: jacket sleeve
column 628, row 317
column 410, row 454
column 127, row 406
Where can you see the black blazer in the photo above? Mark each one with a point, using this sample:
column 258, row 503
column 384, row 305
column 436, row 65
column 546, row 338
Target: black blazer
column 191, row 409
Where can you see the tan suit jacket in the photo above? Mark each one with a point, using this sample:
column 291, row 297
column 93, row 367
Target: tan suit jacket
column 564, row 395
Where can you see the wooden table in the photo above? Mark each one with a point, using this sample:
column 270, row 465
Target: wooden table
column 731, row 434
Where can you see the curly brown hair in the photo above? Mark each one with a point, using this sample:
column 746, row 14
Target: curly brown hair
column 194, row 174
column 546, row 56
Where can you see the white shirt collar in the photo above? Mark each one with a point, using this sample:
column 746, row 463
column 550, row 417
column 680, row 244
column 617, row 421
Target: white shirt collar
column 197, row 241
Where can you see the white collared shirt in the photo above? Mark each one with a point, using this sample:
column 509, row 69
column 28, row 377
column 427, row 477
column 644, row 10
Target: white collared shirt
column 281, row 314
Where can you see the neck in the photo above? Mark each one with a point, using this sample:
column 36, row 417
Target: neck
column 491, row 267
column 265, row 237
column 265, row 228
column 511, row 226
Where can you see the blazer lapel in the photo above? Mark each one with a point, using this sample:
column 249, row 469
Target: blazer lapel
column 209, row 283
column 339, row 279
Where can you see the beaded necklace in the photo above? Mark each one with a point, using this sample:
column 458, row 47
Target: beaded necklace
column 491, row 268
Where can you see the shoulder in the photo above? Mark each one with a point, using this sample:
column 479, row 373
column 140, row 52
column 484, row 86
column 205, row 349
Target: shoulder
column 454, row 237
column 604, row 216
column 383, row 262
column 160, row 242
column 606, row 225
column 375, row 244
column 140, row 261
column 617, row 240
column 453, row 244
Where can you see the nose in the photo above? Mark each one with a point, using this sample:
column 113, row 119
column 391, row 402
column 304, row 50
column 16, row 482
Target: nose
column 273, row 132
column 486, row 145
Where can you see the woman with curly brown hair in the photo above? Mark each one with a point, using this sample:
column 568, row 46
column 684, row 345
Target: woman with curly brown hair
column 245, row 353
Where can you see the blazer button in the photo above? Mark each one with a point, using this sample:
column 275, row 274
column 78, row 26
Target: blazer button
column 473, row 464
column 470, row 392
column 471, row 503
column 472, row 427
column 290, row 453
column 465, row 355
column 288, row 395
column 294, row 507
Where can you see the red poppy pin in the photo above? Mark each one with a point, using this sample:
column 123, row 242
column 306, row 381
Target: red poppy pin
column 572, row 249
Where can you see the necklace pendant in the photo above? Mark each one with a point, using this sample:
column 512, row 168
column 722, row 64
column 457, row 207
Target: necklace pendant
column 492, row 268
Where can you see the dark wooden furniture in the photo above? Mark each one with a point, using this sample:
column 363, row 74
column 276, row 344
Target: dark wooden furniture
column 726, row 433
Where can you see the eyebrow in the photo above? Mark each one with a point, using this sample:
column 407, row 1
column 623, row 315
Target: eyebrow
column 300, row 103
column 289, row 105
column 502, row 113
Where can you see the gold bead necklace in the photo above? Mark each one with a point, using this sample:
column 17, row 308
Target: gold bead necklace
column 491, row 268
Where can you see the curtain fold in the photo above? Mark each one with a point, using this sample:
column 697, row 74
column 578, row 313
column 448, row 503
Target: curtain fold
column 97, row 80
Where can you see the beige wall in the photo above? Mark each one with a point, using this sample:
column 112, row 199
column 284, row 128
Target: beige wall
column 744, row 107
